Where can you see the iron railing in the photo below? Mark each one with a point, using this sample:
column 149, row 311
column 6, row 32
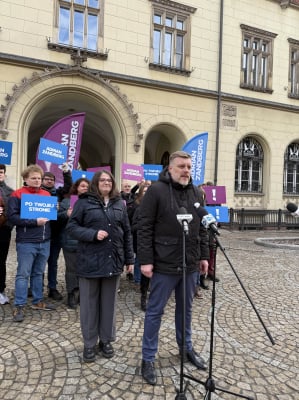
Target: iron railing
column 261, row 219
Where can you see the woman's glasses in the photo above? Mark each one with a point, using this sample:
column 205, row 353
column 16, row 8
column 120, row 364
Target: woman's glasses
column 102, row 180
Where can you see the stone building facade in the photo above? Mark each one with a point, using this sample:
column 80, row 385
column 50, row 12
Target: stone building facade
column 150, row 75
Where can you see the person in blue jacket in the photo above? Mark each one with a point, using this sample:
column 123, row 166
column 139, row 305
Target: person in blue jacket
column 32, row 244
column 99, row 221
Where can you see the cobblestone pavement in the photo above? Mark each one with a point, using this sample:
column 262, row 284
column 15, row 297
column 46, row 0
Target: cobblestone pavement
column 41, row 357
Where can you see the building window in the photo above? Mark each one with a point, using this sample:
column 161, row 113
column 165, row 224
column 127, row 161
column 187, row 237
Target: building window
column 170, row 48
column 294, row 69
column 257, row 59
column 249, row 166
column 291, row 169
column 78, row 23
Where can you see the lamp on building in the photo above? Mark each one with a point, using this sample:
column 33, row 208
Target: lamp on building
column 146, row 59
column 48, row 39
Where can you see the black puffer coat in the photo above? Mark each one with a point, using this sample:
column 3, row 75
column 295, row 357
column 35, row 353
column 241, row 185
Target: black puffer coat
column 160, row 235
column 101, row 258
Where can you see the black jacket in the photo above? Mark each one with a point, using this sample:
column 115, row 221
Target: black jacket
column 60, row 192
column 101, row 258
column 67, row 242
column 160, row 235
column 6, row 227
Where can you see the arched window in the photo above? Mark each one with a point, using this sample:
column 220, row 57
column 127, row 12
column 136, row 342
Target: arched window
column 291, row 169
column 249, row 166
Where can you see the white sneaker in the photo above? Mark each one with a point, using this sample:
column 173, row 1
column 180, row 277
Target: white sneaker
column 3, row 298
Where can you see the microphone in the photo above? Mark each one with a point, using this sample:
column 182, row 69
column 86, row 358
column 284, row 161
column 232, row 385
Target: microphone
column 184, row 219
column 200, row 211
column 293, row 209
column 208, row 221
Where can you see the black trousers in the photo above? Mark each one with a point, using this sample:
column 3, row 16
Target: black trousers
column 5, row 236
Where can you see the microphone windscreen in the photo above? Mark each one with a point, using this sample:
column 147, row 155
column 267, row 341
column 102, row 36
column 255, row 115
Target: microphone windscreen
column 182, row 210
column 201, row 212
column 292, row 207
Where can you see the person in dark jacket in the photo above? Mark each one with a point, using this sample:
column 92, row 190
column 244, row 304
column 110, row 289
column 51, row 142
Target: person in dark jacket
column 5, row 233
column 143, row 280
column 160, row 252
column 69, row 245
column 32, row 245
column 99, row 221
column 48, row 184
column 128, row 194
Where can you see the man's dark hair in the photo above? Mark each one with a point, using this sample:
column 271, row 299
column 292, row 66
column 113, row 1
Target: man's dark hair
column 49, row 174
column 3, row 166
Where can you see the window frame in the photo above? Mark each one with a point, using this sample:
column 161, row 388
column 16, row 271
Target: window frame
column 71, row 47
column 291, row 169
column 254, row 164
column 256, row 59
column 178, row 13
column 293, row 69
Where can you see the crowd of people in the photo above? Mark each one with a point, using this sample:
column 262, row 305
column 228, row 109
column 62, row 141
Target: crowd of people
column 102, row 233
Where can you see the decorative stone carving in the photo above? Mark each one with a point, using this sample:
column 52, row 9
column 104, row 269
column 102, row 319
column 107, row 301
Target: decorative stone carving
column 68, row 71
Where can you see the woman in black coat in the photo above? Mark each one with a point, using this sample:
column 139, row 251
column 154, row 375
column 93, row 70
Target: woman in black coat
column 100, row 223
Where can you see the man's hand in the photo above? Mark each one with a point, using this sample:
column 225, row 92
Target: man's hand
column 129, row 268
column 147, row 270
column 65, row 167
column 42, row 221
column 203, row 267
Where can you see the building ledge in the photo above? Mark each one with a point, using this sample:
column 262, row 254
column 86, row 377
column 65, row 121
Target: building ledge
column 167, row 68
column 62, row 48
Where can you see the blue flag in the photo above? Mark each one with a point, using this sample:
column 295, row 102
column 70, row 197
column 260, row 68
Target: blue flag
column 197, row 148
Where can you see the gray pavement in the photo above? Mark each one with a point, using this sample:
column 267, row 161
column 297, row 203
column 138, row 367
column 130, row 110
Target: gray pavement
column 40, row 359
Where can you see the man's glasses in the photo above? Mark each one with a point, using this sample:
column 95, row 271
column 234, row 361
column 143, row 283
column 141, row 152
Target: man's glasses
column 105, row 180
column 48, row 179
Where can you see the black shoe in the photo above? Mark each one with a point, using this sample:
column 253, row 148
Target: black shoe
column 148, row 372
column 106, row 349
column 130, row 276
column 196, row 359
column 211, row 278
column 202, row 283
column 143, row 302
column 71, row 302
column 76, row 293
column 89, row 354
column 54, row 294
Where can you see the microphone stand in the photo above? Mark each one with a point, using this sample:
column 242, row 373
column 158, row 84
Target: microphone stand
column 181, row 391
column 209, row 384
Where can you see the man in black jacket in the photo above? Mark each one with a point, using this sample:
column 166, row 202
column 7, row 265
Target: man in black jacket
column 160, row 252
column 48, row 184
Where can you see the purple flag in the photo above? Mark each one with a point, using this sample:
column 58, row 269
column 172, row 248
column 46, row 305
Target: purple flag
column 67, row 131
